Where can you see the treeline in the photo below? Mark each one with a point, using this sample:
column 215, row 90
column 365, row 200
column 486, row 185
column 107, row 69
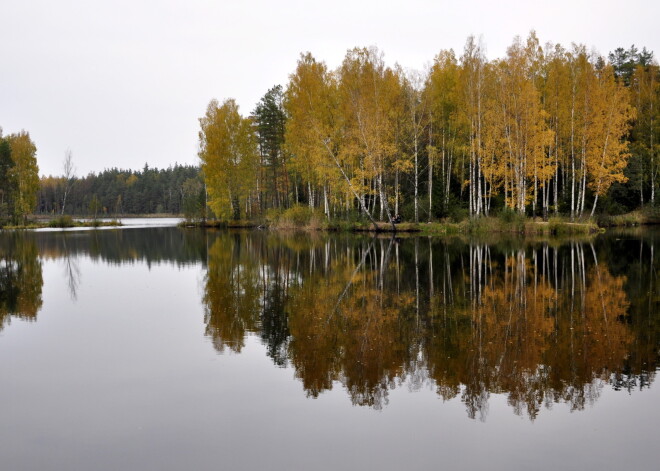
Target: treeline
column 545, row 130
column 116, row 192
column 19, row 177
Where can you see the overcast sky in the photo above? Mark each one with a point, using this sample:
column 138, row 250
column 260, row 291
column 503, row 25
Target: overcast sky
column 123, row 83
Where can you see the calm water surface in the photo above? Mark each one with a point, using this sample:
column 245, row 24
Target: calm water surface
column 159, row 348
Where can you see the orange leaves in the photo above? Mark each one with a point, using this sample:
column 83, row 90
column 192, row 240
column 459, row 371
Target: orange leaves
column 611, row 116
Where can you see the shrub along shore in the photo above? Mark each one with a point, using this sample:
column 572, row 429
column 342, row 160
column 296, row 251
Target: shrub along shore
column 478, row 226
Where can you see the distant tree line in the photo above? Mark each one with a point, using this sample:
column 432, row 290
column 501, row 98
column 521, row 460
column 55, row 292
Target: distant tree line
column 19, row 177
column 543, row 131
column 117, row 191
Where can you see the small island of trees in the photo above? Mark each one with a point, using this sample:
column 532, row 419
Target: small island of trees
column 543, row 132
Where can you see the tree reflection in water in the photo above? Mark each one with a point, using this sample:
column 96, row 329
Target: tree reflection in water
column 542, row 323
column 21, row 255
column 21, row 278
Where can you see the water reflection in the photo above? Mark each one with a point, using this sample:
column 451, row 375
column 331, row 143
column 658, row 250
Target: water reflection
column 21, row 255
column 71, row 268
column 542, row 323
column 21, row 278
column 126, row 246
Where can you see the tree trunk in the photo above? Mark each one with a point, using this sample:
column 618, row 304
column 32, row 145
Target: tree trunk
column 416, row 183
column 384, row 204
column 573, row 176
column 350, row 187
column 396, row 192
column 326, row 206
column 430, row 186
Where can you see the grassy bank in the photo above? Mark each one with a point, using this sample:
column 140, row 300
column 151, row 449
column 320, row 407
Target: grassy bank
column 303, row 218
column 490, row 225
column 220, row 224
column 526, row 226
column 641, row 217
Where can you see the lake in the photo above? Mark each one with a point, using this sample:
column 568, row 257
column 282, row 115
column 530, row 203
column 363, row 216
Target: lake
column 155, row 347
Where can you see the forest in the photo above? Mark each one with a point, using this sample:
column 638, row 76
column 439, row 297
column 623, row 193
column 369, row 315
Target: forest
column 119, row 192
column 545, row 131
column 112, row 192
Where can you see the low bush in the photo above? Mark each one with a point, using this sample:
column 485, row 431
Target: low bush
column 634, row 218
column 62, row 221
column 298, row 217
column 512, row 220
column 458, row 213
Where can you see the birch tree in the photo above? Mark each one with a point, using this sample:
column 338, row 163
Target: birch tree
column 415, row 118
column 69, row 175
column 369, row 93
column 228, row 151
column 25, row 173
column 445, row 123
column 473, row 64
column 645, row 90
column 557, row 104
column 314, row 133
column 607, row 153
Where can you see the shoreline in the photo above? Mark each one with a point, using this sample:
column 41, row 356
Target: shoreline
column 41, row 221
column 469, row 227
column 73, row 224
column 478, row 226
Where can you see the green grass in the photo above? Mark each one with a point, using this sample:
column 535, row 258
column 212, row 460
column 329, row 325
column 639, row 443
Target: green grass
column 640, row 217
column 440, row 228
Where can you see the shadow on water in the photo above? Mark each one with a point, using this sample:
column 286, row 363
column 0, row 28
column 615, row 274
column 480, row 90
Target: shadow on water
column 541, row 322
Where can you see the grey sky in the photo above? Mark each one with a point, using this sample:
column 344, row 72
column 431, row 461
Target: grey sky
column 122, row 83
